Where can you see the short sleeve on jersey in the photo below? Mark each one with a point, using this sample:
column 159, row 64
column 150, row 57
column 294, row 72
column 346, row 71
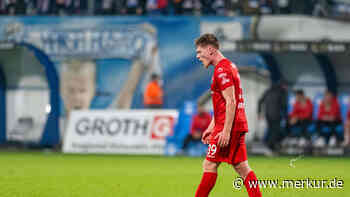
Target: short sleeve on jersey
column 224, row 78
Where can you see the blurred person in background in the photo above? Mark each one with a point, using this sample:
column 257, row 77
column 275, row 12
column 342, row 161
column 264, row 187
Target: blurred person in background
column 153, row 95
column 250, row 7
column 301, row 116
column 329, row 116
column 132, row 7
column 266, row 7
column 44, row 7
column 234, row 7
column 177, row 4
column 207, row 7
column 219, row 6
column 105, row 7
column 78, row 7
column 11, row 8
column 321, row 8
column 60, row 8
column 16, row 7
column 31, row 7
column 189, row 6
column 274, row 102
column 283, row 6
column 3, row 7
column 200, row 122
column 157, row 7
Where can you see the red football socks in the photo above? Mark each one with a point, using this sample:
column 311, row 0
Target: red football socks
column 207, row 184
column 252, row 188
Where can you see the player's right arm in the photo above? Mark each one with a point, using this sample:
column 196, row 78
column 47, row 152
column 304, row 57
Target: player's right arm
column 208, row 131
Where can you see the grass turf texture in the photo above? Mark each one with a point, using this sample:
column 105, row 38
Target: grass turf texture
column 59, row 175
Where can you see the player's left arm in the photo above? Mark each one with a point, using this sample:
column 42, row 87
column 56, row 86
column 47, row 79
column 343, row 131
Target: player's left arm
column 229, row 95
column 224, row 136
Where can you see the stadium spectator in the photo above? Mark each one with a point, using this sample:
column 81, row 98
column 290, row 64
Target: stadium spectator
column 178, row 6
column 11, row 8
column 78, row 7
column 207, row 7
column 153, row 95
column 329, row 117
column 44, row 7
column 200, row 123
column 283, row 7
column 105, row 7
column 321, row 8
column 301, row 116
column 132, row 7
column 31, row 7
column 120, row 8
column 16, row 7
column 3, row 7
column 301, row 7
column 274, row 101
column 189, row 6
column 250, row 7
column 157, row 7
column 60, row 8
column 219, row 7
column 266, row 7
column 141, row 7
column 234, row 7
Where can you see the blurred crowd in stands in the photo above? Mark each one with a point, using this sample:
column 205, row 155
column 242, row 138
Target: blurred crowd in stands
column 322, row 8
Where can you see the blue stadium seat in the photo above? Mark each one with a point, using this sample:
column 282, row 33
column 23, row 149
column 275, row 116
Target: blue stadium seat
column 344, row 101
column 295, row 131
column 291, row 101
column 316, row 104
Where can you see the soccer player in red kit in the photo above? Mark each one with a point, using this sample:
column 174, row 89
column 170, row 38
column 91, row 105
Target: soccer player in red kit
column 226, row 132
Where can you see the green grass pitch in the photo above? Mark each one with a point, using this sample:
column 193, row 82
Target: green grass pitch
column 37, row 174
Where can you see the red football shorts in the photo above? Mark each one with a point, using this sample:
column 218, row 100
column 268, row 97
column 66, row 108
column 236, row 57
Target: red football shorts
column 234, row 153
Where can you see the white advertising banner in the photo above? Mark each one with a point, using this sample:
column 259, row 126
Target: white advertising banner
column 122, row 131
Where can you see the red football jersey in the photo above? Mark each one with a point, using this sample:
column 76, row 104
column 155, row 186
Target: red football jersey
column 349, row 114
column 226, row 75
column 334, row 111
column 302, row 112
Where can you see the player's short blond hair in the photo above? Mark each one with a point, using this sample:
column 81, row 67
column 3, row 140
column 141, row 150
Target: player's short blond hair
column 207, row 39
column 73, row 67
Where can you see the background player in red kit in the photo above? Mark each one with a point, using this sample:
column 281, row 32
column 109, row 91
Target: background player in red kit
column 226, row 132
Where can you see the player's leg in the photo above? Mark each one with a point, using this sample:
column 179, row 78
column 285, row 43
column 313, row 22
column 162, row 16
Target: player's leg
column 248, row 176
column 208, row 179
column 240, row 164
